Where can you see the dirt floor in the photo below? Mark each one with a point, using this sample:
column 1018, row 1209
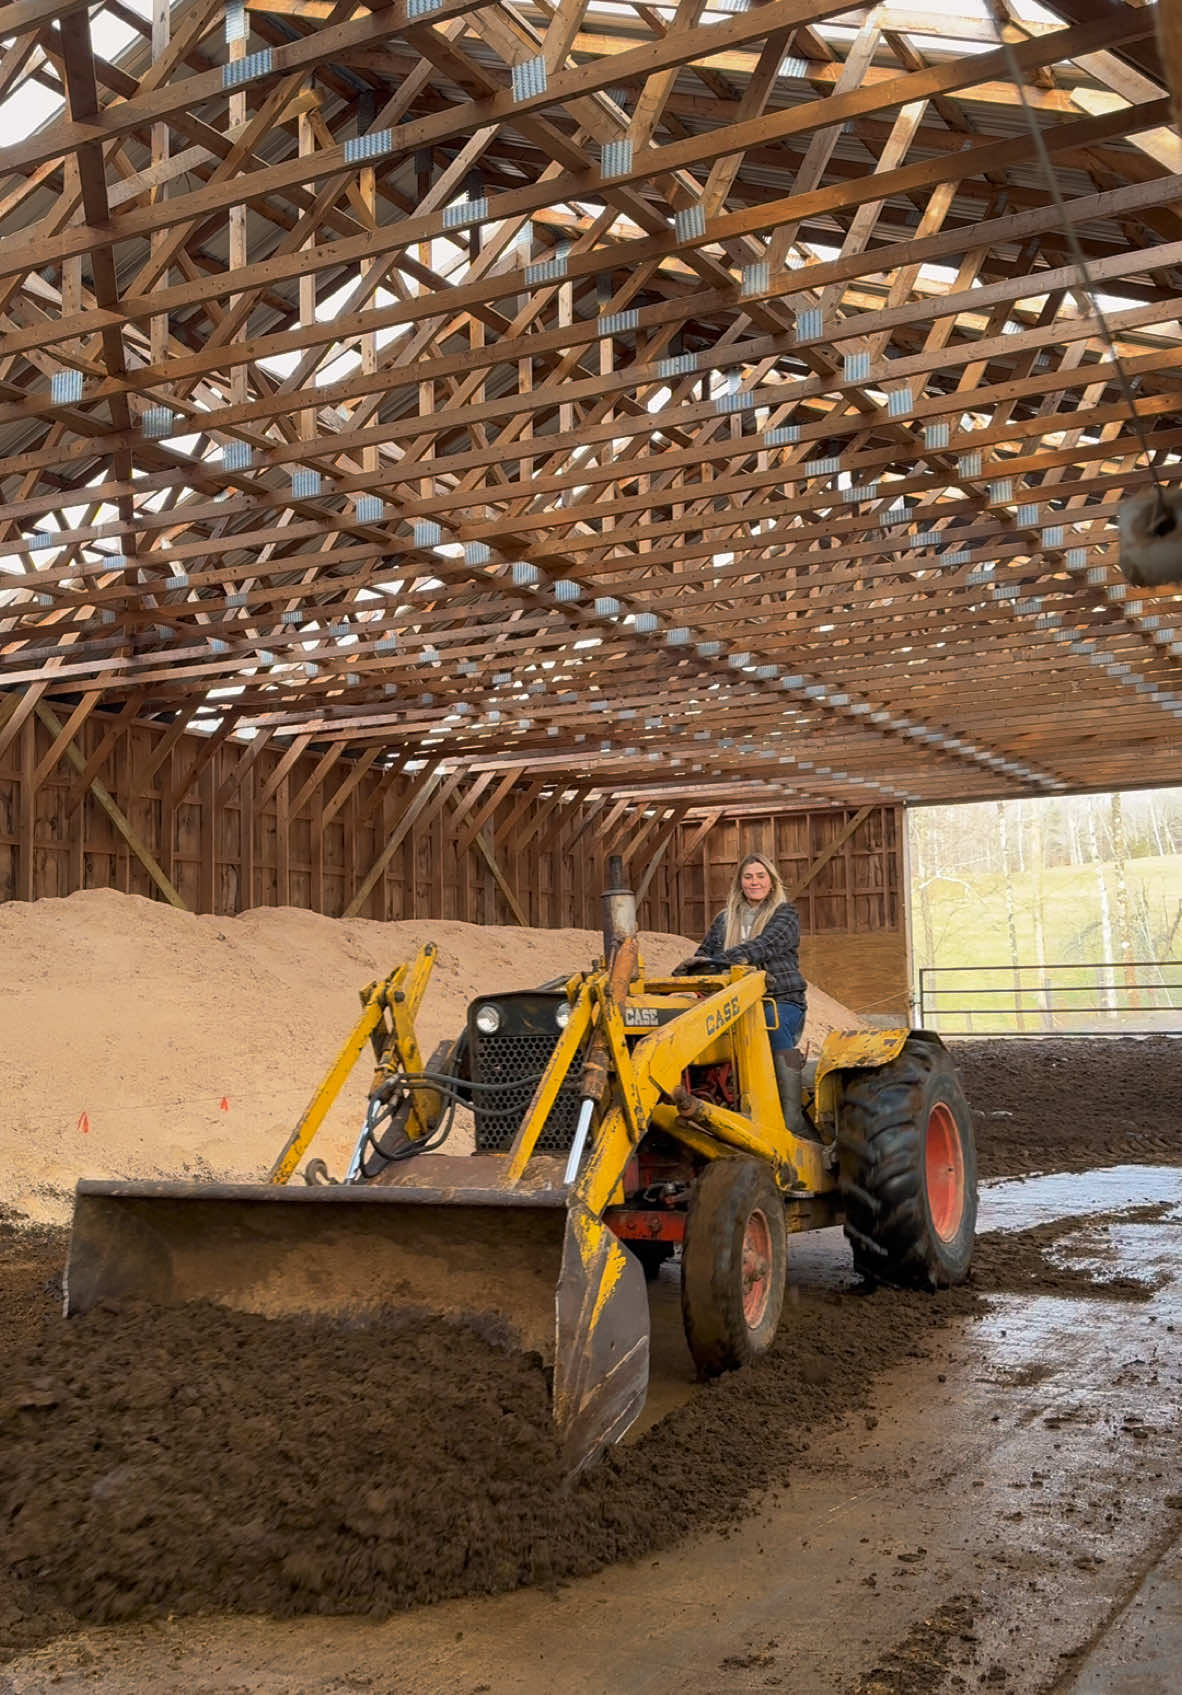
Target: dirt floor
column 911, row 1495
column 171, row 1462
column 1073, row 1104
column 164, row 1466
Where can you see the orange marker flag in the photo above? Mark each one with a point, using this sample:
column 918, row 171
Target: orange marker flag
column 225, row 1105
column 84, row 1123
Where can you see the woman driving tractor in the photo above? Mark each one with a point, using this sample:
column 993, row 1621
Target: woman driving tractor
column 759, row 926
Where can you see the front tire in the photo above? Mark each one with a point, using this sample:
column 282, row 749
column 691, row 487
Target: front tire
column 908, row 1169
column 733, row 1265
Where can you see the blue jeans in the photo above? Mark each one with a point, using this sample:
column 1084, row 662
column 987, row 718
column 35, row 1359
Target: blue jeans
column 791, row 1018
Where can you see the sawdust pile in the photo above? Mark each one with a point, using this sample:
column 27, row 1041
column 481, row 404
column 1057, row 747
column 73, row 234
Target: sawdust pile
column 139, row 1041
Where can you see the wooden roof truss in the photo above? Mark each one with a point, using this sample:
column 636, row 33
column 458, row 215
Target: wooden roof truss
column 695, row 400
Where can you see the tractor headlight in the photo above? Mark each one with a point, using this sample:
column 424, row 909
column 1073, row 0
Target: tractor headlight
column 488, row 1019
column 562, row 1014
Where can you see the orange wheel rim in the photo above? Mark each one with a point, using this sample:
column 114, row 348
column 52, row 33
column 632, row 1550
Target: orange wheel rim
column 944, row 1171
column 757, row 1269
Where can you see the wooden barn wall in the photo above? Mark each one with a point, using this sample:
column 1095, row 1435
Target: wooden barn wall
column 226, row 825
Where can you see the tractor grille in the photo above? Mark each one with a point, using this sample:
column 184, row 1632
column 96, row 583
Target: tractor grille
column 518, row 1059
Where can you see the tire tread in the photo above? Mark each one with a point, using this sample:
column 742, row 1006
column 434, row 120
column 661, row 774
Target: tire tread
column 882, row 1174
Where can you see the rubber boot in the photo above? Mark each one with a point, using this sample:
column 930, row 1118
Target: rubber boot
column 789, row 1066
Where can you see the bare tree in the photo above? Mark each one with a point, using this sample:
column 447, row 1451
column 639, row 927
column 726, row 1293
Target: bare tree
column 1036, row 907
column 1011, row 907
column 1107, row 995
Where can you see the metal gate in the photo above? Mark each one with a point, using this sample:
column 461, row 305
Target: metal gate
column 1088, row 998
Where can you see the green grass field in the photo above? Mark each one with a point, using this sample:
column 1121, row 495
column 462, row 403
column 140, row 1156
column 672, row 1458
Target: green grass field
column 962, row 922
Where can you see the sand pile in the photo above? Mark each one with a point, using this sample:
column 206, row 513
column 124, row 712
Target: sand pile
column 139, row 1041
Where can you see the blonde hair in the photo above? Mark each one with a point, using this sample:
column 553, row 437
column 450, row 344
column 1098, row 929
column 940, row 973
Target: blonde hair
column 736, row 901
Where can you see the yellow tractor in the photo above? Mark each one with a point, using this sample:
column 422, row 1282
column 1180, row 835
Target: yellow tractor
column 616, row 1118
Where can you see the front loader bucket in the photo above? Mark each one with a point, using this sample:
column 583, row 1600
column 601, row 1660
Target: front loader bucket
column 498, row 1258
column 601, row 1362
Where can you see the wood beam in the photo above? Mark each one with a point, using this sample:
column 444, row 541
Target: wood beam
column 115, row 813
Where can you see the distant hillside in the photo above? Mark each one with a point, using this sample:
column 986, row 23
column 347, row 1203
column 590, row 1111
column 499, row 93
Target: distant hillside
column 986, row 892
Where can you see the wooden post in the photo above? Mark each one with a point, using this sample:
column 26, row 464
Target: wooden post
column 903, row 831
column 26, row 880
column 282, row 844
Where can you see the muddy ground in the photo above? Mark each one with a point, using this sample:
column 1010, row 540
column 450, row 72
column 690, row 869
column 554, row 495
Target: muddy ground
column 1073, row 1105
column 190, row 1460
column 159, row 1465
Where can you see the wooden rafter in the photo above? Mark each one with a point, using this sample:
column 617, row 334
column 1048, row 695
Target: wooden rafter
column 678, row 407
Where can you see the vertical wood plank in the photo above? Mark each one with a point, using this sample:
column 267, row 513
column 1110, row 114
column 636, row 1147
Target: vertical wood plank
column 486, row 911
column 437, row 840
column 394, row 899
column 26, row 847
column 352, row 846
column 409, row 855
column 466, row 875
column 167, row 844
column 246, row 843
column 317, row 804
column 123, row 856
column 77, row 839
column 207, row 841
column 282, row 844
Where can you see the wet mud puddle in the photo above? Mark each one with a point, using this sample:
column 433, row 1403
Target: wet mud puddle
column 1123, row 1260
column 1108, row 1234
column 1021, row 1203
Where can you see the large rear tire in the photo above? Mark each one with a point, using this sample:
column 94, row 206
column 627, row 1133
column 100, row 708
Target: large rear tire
column 733, row 1265
column 908, row 1169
